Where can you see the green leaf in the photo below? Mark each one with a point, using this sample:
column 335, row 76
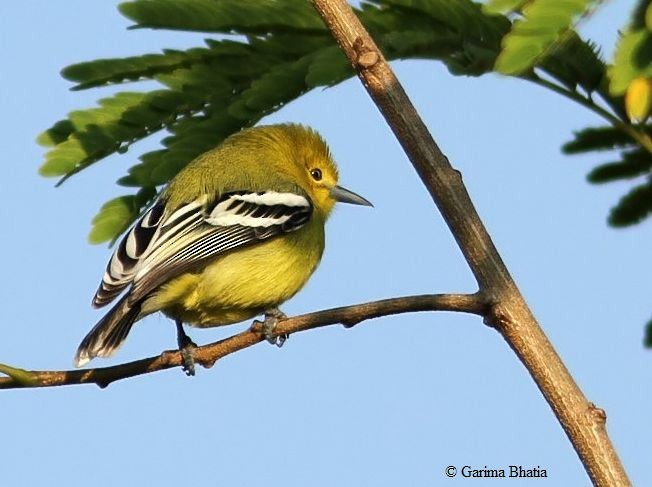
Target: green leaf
column 56, row 134
column 190, row 138
column 520, row 55
column 633, row 164
column 272, row 90
column 635, row 206
column 259, row 17
column 598, row 139
column 283, row 51
column 641, row 15
column 110, row 71
column 575, row 62
column 647, row 339
column 118, row 122
column 116, row 215
column 463, row 17
column 457, row 33
column 633, row 59
column 544, row 23
column 79, row 151
column 503, row 6
column 113, row 219
column 420, row 45
column 329, row 67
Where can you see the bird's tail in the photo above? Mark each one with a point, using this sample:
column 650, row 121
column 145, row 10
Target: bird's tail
column 109, row 333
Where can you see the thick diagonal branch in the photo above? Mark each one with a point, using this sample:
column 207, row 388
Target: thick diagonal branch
column 207, row 355
column 583, row 422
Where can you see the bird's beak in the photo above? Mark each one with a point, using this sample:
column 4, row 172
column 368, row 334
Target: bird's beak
column 343, row 195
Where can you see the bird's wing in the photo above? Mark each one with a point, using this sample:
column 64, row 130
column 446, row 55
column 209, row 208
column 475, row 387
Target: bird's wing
column 161, row 246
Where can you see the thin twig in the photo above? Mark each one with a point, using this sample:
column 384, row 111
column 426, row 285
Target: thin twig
column 583, row 422
column 638, row 134
column 207, row 355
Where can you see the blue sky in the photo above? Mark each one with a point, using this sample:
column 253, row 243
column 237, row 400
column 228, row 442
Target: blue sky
column 390, row 402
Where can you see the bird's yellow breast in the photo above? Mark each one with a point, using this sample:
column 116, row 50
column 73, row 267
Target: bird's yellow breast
column 245, row 282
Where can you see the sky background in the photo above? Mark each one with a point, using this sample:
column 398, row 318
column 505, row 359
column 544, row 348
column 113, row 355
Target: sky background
column 389, row 402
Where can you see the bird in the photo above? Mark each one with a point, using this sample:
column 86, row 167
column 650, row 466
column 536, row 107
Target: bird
column 235, row 234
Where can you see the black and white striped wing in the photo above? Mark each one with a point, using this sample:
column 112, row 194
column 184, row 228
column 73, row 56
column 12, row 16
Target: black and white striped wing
column 121, row 268
column 161, row 247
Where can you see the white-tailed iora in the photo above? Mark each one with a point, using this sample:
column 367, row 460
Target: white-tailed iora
column 236, row 233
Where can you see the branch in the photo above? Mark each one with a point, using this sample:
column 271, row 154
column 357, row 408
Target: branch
column 207, row 355
column 583, row 422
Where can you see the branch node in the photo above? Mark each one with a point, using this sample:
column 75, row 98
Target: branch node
column 598, row 414
column 349, row 323
column 208, row 364
column 205, row 363
column 365, row 57
column 495, row 316
column 358, row 44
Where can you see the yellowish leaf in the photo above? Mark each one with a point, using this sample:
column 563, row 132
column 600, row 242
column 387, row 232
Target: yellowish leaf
column 638, row 99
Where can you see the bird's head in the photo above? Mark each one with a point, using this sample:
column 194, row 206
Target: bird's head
column 315, row 170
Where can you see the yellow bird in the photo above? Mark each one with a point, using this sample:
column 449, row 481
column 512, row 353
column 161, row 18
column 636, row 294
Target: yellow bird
column 236, row 233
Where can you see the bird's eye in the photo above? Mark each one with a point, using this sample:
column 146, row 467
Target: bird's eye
column 316, row 174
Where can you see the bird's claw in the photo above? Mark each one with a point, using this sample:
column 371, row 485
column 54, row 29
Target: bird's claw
column 188, row 356
column 187, row 348
column 272, row 318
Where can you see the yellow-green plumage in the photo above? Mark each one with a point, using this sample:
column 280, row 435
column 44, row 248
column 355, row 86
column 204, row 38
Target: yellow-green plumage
column 236, row 233
column 271, row 157
column 243, row 284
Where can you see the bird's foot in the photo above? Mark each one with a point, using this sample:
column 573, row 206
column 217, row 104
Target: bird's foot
column 187, row 348
column 272, row 317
